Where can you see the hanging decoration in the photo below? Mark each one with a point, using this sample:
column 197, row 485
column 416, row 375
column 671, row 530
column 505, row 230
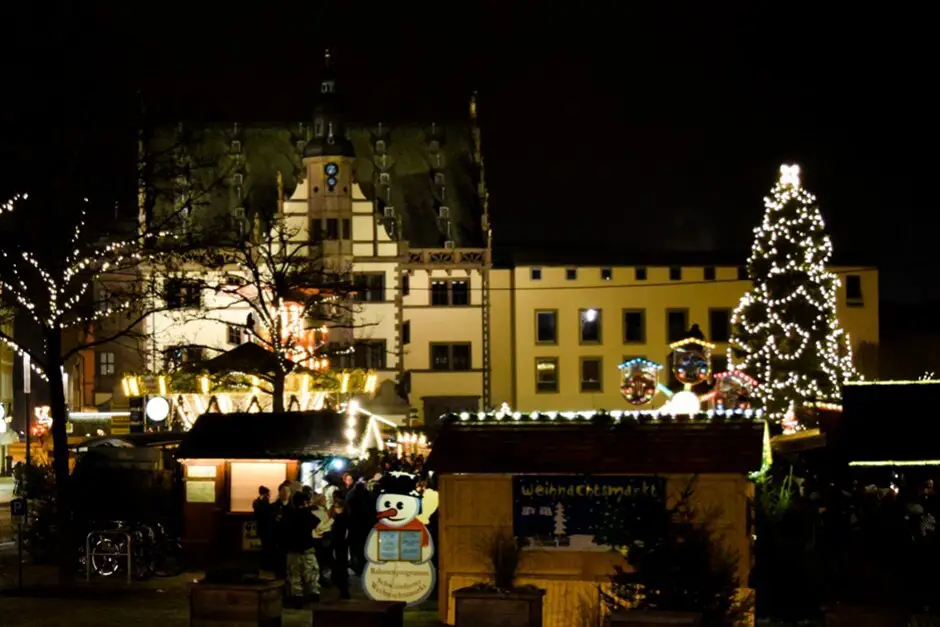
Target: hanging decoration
column 691, row 360
column 639, row 380
column 733, row 390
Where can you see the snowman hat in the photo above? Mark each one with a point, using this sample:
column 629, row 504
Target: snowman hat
column 399, row 483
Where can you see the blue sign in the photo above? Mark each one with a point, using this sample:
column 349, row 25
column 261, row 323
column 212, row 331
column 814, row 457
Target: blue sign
column 18, row 507
column 565, row 512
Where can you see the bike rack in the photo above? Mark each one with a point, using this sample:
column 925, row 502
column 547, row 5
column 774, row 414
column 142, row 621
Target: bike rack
column 89, row 554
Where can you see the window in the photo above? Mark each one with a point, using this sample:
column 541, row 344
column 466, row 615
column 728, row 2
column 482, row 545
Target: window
column 370, row 288
column 105, row 364
column 546, row 327
column 182, row 294
column 634, row 326
column 450, row 356
column 742, row 273
column 235, row 334
column 590, row 323
column 245, row 477
column 719, row 325
column 709, row 273
column 405, row 284
column 369, row 355
column 406, row 332
column 571, row 274
column 607, row 274
column 316, row 230
column 450, row 292
column 460, row 292
column 546, row 374
column 591, row 374
column 639, row 273
column 192, row 354
column 535, row 274
column 332, row 229
column 677, row 323
column 675, row 273
column 853, row 290
column 347, row 229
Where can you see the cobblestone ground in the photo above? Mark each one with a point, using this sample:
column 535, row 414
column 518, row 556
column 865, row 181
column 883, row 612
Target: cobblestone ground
column 153, row 603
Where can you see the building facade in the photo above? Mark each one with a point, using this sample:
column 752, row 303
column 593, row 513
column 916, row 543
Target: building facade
column 443, row 327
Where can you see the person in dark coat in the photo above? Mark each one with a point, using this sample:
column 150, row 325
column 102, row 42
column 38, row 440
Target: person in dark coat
column 303, row 570
column 340, row 545
column 360, row 509
column 264, row 525
column 280, row 510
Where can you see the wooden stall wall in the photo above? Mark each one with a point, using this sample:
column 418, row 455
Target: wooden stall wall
column 473, row 506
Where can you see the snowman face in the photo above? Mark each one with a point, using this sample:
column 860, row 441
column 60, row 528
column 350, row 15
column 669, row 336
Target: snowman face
column 396, row 510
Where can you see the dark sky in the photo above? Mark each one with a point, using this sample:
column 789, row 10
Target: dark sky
column 600, row 125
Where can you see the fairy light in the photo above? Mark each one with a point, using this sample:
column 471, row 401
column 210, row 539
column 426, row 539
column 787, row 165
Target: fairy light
column 522, row 419
column 773, row 347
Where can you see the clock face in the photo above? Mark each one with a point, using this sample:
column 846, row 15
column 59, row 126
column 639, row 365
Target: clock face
column 331, row 182
column 331, row 169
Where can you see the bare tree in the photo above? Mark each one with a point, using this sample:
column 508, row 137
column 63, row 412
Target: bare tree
column 300, row 306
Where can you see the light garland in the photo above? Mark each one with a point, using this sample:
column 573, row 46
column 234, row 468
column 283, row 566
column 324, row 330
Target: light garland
column 584, row 416
column 54, row 308
column 797, row 362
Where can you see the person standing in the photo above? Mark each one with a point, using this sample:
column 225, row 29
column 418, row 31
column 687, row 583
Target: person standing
column 340, row 545
column 360, row 511
column 303, row 570
column 280, row 511
column 264, row 527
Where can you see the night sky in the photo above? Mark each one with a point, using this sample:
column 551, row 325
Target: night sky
column 600, row 126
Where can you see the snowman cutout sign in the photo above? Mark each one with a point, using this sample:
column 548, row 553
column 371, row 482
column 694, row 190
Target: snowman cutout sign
column 399, row 547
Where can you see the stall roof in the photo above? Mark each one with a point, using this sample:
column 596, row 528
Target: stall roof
column 578, row 448
column 877, row 426
column 131, row 440
column 287, row 435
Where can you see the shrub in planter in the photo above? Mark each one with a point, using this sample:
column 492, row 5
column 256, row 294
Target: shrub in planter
column 500, row 602
column 682, row 569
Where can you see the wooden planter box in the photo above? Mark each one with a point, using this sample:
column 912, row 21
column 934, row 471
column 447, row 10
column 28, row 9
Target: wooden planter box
column 650, row 618
column 236, row 605
column 480, row 608
column 359, row 614
column 850, row 616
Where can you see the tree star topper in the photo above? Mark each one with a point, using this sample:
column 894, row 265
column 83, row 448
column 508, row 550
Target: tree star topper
column 790, row 175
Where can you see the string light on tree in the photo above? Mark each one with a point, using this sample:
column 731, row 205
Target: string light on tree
column 785, row 330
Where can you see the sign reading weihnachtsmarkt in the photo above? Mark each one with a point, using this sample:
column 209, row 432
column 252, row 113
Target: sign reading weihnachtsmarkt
column 565, row 512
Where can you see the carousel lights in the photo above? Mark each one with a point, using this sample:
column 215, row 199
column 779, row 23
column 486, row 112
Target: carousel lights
column 692, row 340
column 639, row 361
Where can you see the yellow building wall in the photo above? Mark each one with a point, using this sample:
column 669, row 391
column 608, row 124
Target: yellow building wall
column 501, row 338
column 431, row 324
column 655, row 295
column 474, row 506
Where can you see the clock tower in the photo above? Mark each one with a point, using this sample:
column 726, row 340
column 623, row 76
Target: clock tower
column 328, row 159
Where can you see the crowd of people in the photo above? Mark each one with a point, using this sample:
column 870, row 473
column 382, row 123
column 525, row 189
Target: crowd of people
column 317, row 539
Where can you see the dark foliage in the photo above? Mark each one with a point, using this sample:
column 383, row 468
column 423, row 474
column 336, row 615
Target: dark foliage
column 681, row 565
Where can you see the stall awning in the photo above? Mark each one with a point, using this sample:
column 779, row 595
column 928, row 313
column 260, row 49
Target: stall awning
column 877, row 426
column 602, row 449
column 287, row 435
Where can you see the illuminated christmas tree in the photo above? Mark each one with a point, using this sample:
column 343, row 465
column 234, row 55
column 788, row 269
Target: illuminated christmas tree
column 784, row 331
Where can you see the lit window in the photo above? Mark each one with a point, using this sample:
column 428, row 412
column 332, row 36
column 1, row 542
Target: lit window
column 590, row 326
column 247, row 477
column 106, row 363
column 546, row 374
column 235, row 333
